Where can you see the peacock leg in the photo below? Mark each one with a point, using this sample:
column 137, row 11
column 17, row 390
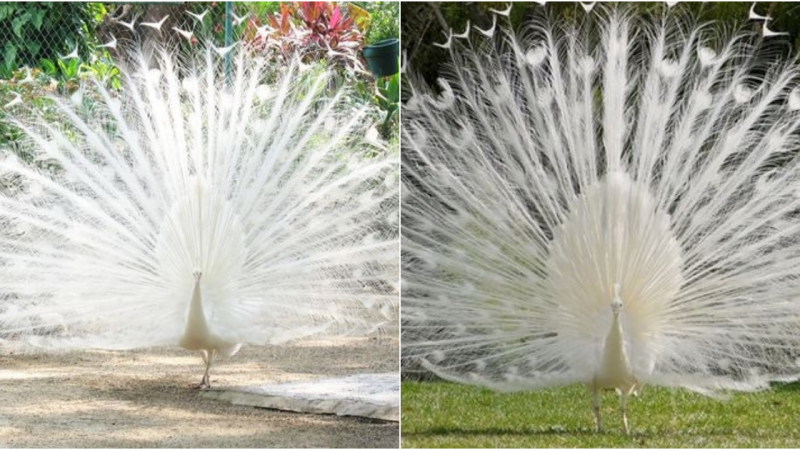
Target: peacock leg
column 207, row 377
column 623, row 405
column 598, row 422
column 204, row 383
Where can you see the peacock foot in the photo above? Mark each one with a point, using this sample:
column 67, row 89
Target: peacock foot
column 204, row 384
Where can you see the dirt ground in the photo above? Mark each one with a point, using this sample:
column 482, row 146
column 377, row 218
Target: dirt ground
column 143, row 398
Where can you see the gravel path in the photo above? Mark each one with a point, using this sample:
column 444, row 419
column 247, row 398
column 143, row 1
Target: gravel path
column 143, row 398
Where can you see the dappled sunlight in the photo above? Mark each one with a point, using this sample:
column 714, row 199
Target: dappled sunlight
column 144, row 398
column 21, row 375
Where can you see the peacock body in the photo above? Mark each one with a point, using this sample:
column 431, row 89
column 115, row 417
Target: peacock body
column 198, row 208
column 613, row 203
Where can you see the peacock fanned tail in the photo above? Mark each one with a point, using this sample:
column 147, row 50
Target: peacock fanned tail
column 546, row 166
column 259, row 178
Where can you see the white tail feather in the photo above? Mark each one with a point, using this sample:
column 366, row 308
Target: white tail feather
column 118, row 199
column 563, row 163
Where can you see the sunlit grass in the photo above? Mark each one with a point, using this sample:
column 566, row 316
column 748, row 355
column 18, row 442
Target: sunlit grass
column 440, row 414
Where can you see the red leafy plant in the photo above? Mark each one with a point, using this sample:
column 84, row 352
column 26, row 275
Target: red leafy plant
column 314, row 30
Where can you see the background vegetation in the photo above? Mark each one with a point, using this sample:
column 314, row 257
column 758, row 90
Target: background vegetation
column 37, row 40
column 44, row 30
column 427, row 23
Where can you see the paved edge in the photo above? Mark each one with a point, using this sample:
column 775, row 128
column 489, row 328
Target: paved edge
column 343, row 406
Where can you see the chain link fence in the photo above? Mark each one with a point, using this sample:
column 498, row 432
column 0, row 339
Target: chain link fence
column 39, row 35
column 32, row 32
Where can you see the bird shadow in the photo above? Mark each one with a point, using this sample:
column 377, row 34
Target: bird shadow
column 641, row 435
column 786, row 387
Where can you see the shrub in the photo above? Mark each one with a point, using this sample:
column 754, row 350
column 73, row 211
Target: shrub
column 384, row 21
column 43, row 30
column 315, row 30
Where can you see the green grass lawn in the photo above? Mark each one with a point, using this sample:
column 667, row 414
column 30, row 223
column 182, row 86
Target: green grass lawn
column 439, row 414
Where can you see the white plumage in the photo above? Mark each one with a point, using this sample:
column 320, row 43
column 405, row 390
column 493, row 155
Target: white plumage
column 656, row 156
column 186, row 211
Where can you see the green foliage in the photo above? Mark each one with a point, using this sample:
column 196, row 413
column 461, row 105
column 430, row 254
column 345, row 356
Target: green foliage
column 54, row 77
column 261, row 9
column 45, row 30
column 68, row 73
column 103, row 69
column 382, row 94
column 69, row 68
column 450, row 415
column 387, row 98
column 384, row 20
column 34, row 91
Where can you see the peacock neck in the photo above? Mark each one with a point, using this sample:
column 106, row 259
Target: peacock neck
column 614, row 350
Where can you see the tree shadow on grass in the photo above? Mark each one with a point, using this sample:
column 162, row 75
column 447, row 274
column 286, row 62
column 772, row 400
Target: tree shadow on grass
column 499, row 431
column 786, row 387
column 576, row 432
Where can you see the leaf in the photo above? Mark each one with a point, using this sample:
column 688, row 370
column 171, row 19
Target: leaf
column 69, row 70
column 336, row 15
column 6, row 10
column 272, row 22
column 393, row 88
column 10, row 55
column 346, row 24
column 72, row 68
column 310, row 11
column 33, row 47
column 286, row 8
column 37, row 19
column 48, row 67
column 360, row 16
column 18, row 23
column 285, row 23
column 62, row 66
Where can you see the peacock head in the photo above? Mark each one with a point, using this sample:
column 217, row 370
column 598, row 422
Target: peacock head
column 197, row 274
column 616, row 303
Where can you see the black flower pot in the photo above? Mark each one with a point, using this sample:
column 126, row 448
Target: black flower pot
column 382, row 57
